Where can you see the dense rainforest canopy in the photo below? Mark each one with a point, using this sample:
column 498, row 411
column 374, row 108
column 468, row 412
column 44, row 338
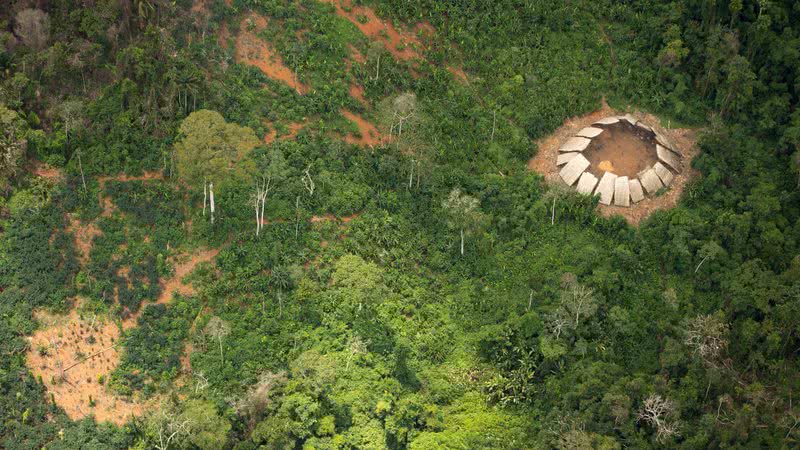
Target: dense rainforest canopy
column 310, row 224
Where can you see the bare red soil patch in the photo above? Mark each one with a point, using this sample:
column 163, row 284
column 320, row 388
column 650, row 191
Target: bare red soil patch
column 72, row 354
column 623, row 149
column 458, row 73
column 356, row 55
column 47, row 172
column 84, row 235
column 331, row 217
column 401, row 44
column 357, row 92
column 252, row 50
column 175, row 284
column 223, row 36
column 294, row 128
column 685, row 140
column 369, row 134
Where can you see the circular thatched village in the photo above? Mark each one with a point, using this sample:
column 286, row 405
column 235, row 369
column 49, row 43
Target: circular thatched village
column 619, row 158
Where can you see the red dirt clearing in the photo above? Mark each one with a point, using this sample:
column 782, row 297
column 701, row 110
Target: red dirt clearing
column 331, row 217
column 623, row 149
column 294, row 128
column 63, row 341
column 357, row 92
column 251, row 50
column 47, row 172
column 370, row 136
column 356, row 55
column 401, row 44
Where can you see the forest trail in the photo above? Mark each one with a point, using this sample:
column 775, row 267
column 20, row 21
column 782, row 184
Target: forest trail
column 253, row 51
column 175, row 283
column 73, row 353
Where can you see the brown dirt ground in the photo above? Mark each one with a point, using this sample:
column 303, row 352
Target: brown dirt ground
column 357, row 92
column 344, row 219
column 402, row 44
column 224, row 35
column 378, row 30
column 370, row 136
column 356, row 55
column 65, row 338
column 47, row 172
column 294, row 128
column 684, row 138
column 623, row 149
column 252, row 50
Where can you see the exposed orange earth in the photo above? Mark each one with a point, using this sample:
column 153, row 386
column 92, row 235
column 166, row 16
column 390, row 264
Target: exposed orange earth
column 370, row 136
column 71, row 353
column 399, row 43
column 357, row 92
column 252, row 50
column 294, row 128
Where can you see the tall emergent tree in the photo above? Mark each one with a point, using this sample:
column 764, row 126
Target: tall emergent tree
column 463, row 214
column 211, row 150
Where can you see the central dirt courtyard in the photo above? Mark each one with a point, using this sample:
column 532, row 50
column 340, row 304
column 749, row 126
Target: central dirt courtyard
column 623, row 149
column 544, row 161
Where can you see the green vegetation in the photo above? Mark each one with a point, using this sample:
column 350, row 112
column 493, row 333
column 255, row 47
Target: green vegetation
column 419, row 293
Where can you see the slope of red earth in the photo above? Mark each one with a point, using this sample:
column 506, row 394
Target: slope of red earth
column 252, row 50
column 75, row 355
column 294, row 128
column 401, row 44
column 357, row 92
column 370, row 136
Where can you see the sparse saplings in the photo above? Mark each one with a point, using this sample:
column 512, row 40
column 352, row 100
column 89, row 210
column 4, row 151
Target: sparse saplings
column 463, row 214
column 661, row 414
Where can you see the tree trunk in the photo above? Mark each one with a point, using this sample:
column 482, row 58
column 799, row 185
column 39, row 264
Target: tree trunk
column 205, row 197
column 553, row 215
column 258, row 219
column 80, row 166
column 411, row 175
column 221, row 355
column 211, row 200
column 462, row 242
